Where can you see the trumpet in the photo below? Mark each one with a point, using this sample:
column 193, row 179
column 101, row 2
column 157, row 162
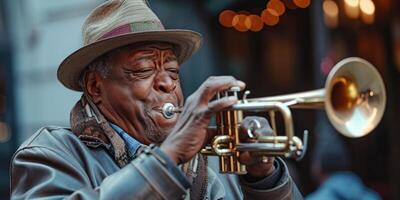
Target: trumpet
column 354, row 99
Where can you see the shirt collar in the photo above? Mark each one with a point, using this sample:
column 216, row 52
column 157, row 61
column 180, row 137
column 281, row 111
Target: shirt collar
column 132, row 144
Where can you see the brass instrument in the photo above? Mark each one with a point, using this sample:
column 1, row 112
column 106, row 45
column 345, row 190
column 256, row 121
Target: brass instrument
column 354, row 98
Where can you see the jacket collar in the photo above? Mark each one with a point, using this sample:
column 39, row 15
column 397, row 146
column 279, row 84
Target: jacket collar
column 90, row 126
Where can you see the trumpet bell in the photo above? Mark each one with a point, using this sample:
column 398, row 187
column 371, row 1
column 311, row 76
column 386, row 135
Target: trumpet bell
column 355, row 97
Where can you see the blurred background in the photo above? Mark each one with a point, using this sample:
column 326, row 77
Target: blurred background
column 275, row 46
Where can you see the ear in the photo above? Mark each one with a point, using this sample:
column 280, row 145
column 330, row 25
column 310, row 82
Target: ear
column 93, row 83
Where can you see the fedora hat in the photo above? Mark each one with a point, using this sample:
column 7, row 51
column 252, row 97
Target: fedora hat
column 117, row 23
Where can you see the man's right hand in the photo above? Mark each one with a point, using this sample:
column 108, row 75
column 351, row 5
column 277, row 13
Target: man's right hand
column 191, row 133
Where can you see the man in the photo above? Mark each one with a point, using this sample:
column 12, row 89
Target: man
column 120, row 146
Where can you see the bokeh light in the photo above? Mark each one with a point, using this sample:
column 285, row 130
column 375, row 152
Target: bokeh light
column 254, row 23
column 244, row 20
column 367, row 7
column 277, row 6
column 330, row 8
column 239, row 24
column 352, row 8
column 331, row 13
column 268, row 18
column 352, row 3
column 302, row 3
column 247, row 22
column 226, row 18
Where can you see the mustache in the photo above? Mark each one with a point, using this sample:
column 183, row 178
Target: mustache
column 159, row 103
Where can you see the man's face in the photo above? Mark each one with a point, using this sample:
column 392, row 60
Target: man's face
column 141, row 80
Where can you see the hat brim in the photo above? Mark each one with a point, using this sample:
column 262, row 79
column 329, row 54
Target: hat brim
column 185, row 42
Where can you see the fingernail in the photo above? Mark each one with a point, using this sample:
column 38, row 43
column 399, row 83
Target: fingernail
column 241, row 83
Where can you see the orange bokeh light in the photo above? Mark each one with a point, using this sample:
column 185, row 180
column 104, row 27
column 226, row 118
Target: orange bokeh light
column 277, row 6
column 226, row 18
column 254, row 23
column 268, row 18
column 239, row 23
column 302, row 3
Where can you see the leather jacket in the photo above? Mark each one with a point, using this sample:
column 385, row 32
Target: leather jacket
column 56, row 164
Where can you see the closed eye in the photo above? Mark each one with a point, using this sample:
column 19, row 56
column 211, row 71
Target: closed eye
column 141, row 73
column 173, row 73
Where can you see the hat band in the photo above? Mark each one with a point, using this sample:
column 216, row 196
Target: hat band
column 134, row 28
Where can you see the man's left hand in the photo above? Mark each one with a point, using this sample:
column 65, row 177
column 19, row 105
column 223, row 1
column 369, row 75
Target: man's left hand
column 257, row 166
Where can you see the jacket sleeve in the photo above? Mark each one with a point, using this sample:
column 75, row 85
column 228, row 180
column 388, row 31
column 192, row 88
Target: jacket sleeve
column 284, row 189
column 35, row 174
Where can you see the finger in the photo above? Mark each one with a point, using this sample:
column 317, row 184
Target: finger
column 213, row 85
column 250, row 159
column 260, row 170
column 220, row 104
column 246, row 159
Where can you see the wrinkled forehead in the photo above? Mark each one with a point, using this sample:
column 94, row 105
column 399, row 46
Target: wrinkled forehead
column 147, row 46
column 139, row 51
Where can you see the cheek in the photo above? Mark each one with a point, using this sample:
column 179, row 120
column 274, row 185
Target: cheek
column 141, row 89
column 179, row 94
column 128, row 101
column 125, row 98
column 132, row 91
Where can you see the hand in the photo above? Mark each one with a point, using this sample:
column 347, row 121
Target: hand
column 257, row 166
column 190, row 133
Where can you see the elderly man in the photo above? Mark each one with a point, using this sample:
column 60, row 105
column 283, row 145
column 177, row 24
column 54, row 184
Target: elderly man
column 120, row 146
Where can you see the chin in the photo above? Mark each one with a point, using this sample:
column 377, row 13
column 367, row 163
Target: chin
column 157, row 128
column 157, row 134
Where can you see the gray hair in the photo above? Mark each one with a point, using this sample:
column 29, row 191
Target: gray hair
column 101, row 65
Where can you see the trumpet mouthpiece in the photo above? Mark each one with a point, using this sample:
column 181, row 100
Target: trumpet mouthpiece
column 169, row 110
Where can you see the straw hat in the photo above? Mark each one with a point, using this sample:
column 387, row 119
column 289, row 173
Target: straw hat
column 117, row 23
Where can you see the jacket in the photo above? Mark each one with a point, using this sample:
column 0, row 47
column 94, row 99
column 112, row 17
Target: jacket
column 55, row 164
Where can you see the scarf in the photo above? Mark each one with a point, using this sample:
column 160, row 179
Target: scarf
column 91, row 127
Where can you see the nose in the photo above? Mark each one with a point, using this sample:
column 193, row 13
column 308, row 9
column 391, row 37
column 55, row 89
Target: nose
column 164, row 83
